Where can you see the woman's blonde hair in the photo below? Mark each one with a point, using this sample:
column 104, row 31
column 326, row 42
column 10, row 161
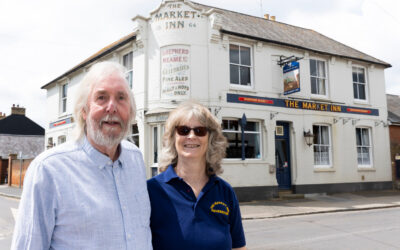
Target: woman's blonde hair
column 217, row 143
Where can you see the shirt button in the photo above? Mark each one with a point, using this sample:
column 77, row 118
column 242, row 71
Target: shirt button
column 129, row 236
column 124, row 207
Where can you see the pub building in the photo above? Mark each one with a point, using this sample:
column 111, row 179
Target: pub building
column 301, row 111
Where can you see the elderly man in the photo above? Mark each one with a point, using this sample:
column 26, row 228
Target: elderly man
column 89, row 193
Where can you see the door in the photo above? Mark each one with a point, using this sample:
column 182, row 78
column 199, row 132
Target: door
column 282, row 155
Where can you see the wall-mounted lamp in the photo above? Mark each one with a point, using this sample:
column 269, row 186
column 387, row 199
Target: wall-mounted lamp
column 308, row 137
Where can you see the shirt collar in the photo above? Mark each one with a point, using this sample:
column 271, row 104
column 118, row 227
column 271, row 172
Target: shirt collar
column 170, row 175
column 97, row 157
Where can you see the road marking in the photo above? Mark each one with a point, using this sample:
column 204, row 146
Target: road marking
column 14, row 212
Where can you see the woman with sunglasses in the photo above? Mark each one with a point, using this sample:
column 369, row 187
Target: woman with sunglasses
column 192, row 208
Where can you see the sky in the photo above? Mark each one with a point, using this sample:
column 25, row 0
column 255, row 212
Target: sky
column 42, row 39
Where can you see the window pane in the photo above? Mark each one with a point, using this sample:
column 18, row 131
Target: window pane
column 245, row 55
column 154, row 171
column 155, row 145
column 314, row 85
column 325, row 155
column 129, row 78
column 321, row 87
column 127, row 61
column 313, row 68
column 252, row 149
column 355, row 78
column 234, row 149
column 365, row 137
column 321, row 69
column 316, row 134
column 324, row 135
column 358, row 136
column 361, row 76
column 64, row 90
column 230, row 125
column 64, row 107
column 234, row 53
column 251, row 126
column 355, row 90
column 244, row 76
column 234, row 74
column 135, row 129
column 361, row 91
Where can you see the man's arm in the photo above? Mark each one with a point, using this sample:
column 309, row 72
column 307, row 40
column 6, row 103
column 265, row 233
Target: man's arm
column 36, row 213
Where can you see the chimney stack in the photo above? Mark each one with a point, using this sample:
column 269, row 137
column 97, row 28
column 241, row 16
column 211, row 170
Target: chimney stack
column 17, row 110
column 2, row 115
column 268, row 17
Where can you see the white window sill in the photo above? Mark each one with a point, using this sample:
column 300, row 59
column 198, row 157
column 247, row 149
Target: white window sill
column 324, row 169
column 366, row 169
column 362, row 102
column 319, row 97
column 234, row 87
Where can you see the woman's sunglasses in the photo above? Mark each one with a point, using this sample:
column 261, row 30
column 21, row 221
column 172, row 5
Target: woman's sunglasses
column 185, row 130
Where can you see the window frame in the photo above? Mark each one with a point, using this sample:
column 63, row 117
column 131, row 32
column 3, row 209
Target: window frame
column 156, row 145
column 133, row 135
column 129, row 71
column 239, row 85
column 330, row 146
column 63, row 100
column 358, row 67
column 370, row 147
column 61, row 139
column 259, row 132
column 325, row 78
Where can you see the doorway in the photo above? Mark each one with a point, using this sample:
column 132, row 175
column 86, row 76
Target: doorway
column 282, row 155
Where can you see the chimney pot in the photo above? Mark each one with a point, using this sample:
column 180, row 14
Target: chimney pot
column 266, row 16
column 273, row 18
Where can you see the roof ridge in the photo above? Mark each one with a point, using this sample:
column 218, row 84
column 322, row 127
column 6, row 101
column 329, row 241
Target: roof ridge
column 244, row 14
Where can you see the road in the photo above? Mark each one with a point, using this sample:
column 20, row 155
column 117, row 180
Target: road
column 8, row 209
column 369, row 229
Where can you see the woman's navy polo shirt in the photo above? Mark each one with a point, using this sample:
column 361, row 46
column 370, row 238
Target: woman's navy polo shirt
column 180, row 221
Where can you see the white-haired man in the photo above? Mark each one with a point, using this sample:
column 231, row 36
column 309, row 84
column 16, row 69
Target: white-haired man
column 89, row 193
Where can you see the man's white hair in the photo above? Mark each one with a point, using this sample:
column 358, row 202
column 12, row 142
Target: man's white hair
column 96, row 74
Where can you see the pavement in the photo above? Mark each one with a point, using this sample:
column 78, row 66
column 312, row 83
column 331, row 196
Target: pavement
column 310, row 204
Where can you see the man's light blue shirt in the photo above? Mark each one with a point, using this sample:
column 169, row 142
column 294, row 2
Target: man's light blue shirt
column 75, row 197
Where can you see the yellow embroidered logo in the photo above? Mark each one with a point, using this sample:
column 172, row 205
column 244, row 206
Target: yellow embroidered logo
column 219, row 207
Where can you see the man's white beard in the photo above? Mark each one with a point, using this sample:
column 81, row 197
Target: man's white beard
column 109, row 140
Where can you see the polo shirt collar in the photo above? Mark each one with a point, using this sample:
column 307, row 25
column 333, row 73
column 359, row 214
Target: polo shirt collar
column 170, row 175
column 97, row 157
